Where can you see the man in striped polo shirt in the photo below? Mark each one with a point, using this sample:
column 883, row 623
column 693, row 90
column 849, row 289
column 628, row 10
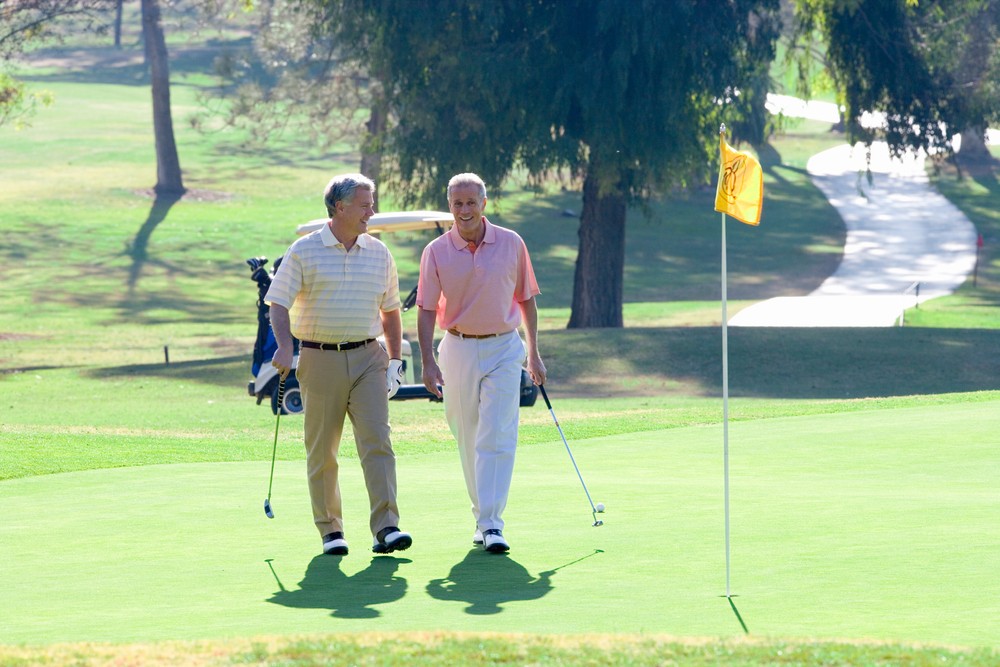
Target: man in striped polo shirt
column 477, row 284
column 336, row 291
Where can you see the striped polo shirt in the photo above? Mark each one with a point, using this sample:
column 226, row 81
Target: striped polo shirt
column 334, row 295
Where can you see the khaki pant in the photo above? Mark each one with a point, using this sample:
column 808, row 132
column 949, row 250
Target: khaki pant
column 351, row 383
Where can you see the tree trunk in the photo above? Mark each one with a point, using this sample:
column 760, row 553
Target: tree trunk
column 600, row 262
column 168, row 166
column 118, row 24
column 371, row 145
column 973, row 148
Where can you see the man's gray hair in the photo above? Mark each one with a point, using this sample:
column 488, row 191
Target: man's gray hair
column 467, row 179
column 342, row 188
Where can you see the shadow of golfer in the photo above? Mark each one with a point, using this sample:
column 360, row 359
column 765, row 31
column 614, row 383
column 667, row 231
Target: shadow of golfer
column 325, row 586
column 486, row 581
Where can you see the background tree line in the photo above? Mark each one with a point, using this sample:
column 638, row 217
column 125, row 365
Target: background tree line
column 621, row 99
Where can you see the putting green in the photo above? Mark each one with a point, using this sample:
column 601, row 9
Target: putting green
column 881, row 525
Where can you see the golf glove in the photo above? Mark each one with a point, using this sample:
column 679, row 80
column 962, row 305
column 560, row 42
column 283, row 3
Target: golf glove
column 393, row 376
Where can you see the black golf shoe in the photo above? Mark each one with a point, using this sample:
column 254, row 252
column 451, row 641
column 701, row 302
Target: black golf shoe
column 334, row 544
column 391, row 539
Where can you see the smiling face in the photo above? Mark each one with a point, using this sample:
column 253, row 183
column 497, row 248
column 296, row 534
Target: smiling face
column 467, row 204
column 352, row 214
column 349, row 217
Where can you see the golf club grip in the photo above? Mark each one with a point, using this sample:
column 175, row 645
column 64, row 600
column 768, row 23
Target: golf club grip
column 545, row 396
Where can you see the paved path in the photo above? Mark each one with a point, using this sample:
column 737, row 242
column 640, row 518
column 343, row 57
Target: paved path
column 900, row 231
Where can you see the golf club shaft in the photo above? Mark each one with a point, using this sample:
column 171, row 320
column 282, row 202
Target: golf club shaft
column 277, row 421
column 568, row 451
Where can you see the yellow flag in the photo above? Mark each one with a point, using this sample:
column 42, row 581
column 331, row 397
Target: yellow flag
column 740, row 192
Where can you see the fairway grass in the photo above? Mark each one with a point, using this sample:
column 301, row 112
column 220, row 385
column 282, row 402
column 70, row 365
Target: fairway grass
column 843, row 525
column 864, row 511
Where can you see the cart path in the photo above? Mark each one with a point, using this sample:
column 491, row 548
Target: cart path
column 900, row 231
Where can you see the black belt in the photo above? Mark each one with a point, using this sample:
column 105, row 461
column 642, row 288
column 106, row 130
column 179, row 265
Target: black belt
column 339, row 347
column 456, row 332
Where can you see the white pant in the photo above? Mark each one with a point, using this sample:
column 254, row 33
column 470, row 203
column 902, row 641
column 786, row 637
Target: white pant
column 482, row 386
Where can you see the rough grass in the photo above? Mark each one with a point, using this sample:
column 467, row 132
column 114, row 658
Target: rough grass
column 495, row 649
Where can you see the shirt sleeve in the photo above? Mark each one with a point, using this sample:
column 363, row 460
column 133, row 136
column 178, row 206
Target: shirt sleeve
column 527, row 286
column 390, row 300
column 287, row 281
column 428, row 285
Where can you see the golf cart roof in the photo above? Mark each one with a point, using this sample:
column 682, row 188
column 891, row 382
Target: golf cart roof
column 400, row 221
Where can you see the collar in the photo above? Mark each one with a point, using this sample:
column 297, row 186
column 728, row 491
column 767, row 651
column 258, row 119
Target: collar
column 459, row 243
column 326, row 234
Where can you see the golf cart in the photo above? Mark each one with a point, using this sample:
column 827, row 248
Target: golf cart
column 264, row 377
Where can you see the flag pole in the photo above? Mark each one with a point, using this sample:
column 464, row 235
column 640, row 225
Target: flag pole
column 725, row 385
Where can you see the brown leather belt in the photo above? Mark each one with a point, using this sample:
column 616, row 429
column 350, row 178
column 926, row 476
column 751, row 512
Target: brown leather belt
column 456, row 332
column 339, row 347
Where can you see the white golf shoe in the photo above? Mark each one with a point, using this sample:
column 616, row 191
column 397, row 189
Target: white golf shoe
column 334, row 544
column 494, row 542
column 391, row 539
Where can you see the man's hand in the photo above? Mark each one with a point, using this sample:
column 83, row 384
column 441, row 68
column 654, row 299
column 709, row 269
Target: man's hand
column 432, row 377
column 282, row 360
column 536, row 369
column 394, row 376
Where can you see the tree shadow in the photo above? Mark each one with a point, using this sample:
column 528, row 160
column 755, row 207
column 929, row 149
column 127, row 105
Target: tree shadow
column 779, row 362
column 325, row 586
column 138, row 249
column 224, row 371
column 485, row 582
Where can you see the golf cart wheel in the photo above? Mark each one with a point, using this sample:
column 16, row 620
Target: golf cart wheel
column 291, row 403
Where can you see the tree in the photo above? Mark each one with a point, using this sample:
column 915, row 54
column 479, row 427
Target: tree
column 168, row 166
column 294, row 80
column 930, row 65
column 31, row 22
column 626, row 95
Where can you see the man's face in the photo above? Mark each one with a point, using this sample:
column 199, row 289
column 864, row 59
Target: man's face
column 354, row 213
column 466, row 206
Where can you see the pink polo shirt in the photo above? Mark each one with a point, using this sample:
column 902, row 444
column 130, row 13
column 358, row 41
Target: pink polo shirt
column 476, row 292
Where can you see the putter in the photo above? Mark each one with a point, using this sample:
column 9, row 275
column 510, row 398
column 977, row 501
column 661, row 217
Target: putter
column 268, row 512
column 593, row 509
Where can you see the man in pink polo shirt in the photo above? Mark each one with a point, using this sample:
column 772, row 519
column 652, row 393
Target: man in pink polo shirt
column 477, row 284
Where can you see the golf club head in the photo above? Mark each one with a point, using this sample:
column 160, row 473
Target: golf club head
column 598, row 523
column 267, row 508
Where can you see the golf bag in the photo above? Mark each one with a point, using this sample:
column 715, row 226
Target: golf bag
column 265, row 378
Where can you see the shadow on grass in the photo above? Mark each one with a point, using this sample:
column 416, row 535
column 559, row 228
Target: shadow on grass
column 674, row 252
column 325, row 586
column 107, row 65
column 223, row 371
column 485, row 582
column 774, row 362
column 766, row 362
column 732, row 605
column 138, row 248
